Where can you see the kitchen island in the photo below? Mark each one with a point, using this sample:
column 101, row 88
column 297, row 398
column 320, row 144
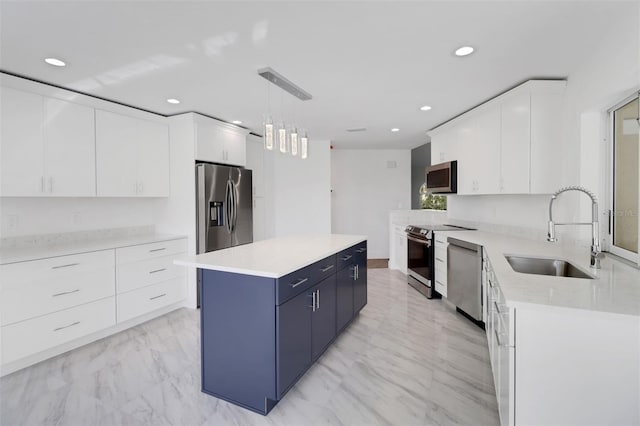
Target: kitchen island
column 271, row 308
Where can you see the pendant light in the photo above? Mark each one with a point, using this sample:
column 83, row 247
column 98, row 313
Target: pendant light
column 268, row 133
column 282, row 138
column 293, row 136
column 304, row 140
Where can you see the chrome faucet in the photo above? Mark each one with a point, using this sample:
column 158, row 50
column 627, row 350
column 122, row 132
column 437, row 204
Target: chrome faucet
column 596, row 254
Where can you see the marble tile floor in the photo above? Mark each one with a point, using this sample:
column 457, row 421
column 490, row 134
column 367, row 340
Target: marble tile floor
column 405, row 360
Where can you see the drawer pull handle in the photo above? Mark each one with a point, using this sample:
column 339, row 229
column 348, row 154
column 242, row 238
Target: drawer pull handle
column 157, row 270
column 155, row 250
column 439, row 260
column 347, row 257
column 497, row 307
column 300, row 281
column 326, row 269
column 65, row 266
column 65, row 292
column 66, row 326
column 157, row 297
column 361, row 250
column 498, row 337
column 438, row 282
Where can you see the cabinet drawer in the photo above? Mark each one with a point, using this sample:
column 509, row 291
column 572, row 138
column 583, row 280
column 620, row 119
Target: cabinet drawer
column 441, row 287
column 44, row 296
column 18, row 274
column 302, row 279
column 441, row 273
column 150, row 251
column 35, row 335
column 441, row 254
column 146, row 299
column 146, row 272
column 440, row 238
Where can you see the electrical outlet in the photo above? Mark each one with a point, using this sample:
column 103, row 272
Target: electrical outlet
column 12, row 221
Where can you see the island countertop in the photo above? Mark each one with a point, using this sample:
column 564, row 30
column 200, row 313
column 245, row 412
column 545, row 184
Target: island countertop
column 272, row 258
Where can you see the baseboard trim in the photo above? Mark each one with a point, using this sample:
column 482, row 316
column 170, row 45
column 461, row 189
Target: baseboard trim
column 377, row 263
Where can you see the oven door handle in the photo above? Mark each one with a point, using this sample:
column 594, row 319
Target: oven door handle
column 425, row 242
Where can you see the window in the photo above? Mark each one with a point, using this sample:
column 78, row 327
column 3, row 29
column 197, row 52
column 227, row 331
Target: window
column 625, row 191
column 431, row 201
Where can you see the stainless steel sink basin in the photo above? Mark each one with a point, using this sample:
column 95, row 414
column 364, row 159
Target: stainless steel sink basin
column 540, row 266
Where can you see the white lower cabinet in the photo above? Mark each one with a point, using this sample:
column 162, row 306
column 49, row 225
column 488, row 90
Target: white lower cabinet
column 51, row 305
column 28, row 337
column 398, row 249
column 440, row 264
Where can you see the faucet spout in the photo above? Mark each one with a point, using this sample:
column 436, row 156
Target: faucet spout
column 596, row 253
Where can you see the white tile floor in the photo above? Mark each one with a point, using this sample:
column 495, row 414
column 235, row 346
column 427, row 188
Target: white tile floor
column 405, row 360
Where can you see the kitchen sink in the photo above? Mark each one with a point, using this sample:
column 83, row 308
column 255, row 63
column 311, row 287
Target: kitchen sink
column 542, row 266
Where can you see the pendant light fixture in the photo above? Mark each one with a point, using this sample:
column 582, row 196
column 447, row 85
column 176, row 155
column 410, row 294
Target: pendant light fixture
column 287, row 140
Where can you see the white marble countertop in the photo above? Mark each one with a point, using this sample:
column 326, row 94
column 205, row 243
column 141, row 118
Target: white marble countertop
column 35, row 252
column 615, row 289
column 272, row 258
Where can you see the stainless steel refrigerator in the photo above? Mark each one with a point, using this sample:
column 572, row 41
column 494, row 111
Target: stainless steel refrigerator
column 224, row 208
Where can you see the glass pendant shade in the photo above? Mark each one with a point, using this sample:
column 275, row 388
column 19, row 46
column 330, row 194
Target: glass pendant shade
column 268, row 134
column 304, row 141
column 282, row 138
column 294, row 141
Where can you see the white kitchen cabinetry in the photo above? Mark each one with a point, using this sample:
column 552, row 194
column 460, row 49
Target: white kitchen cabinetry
column 132, row 156
column 440, row 264
column 398, row 248
column 218, row 142
column 508, row 145
column 47, row 146
column 256, row 163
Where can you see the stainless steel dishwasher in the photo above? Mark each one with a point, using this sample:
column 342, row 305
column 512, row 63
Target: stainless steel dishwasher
column 464, row 277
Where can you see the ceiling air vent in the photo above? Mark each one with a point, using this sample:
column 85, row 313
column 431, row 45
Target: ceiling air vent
column 359, row 129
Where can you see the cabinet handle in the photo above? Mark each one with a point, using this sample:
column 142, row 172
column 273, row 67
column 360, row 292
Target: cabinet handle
column 361, row 250
column 65, row 292
column 438, row 282
column 157, row 297
column 326, row 269
column 317, row 299
column 140, row 188
column 347, row 257
column 66, row 326
column 439, row 260
column 157, row 270
column 50, row 185
column 300, row 281
column 357, row 275
column 41, row 183
column 159, row 249
column 495, row 331
column 313, row 301
column 65, row 266
column 135, row 188
column 497, row 307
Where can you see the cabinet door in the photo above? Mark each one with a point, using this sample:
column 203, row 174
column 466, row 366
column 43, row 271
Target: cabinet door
column 323, row 319
column 486, row 163
column 515, row 142
column 294, row 339
column 360, row 283
column 116, row 156
column 153, row 159
column 547, row 153
column 344, row 298
column 235, row 147
column 69, row 135
column 467, row 152
column 209, row 141
column 21, row 144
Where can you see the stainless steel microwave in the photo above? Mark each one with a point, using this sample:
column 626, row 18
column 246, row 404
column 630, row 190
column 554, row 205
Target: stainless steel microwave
column 442, row 178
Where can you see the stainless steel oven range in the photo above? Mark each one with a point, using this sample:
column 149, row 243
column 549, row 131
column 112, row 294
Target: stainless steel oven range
column 421, row 256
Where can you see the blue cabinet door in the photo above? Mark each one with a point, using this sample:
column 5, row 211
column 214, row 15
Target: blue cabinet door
column 323, row 319
column 293, row 340
column 344, row 296
column 360, row 284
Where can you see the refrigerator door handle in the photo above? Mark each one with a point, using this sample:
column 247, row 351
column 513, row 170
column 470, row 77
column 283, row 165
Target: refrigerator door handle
column 227, row 210
column 201, row 212
column 235, row 205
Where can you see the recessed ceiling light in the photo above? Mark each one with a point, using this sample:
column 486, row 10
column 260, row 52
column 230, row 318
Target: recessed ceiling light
column 55, row 62
column 464, row 51
column 237, row 122
column 425, row 108
column 395, row 129
column 173, row 101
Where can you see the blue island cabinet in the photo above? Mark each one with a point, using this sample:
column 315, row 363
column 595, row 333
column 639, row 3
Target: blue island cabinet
column 260, row 334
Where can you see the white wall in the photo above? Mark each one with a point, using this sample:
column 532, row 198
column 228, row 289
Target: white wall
column 606, row 77
column 298, row 192
column 59, row 215
column 366, row 190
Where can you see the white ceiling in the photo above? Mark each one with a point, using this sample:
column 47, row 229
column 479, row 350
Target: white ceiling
column 367, row 64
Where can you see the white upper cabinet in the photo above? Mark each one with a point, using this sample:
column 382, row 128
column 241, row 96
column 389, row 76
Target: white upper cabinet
column 132, row 156
column 21, row 143
column 47, row 146
column 218, row 142
column 516, row 112
column 69, row 136
column 507, row 145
